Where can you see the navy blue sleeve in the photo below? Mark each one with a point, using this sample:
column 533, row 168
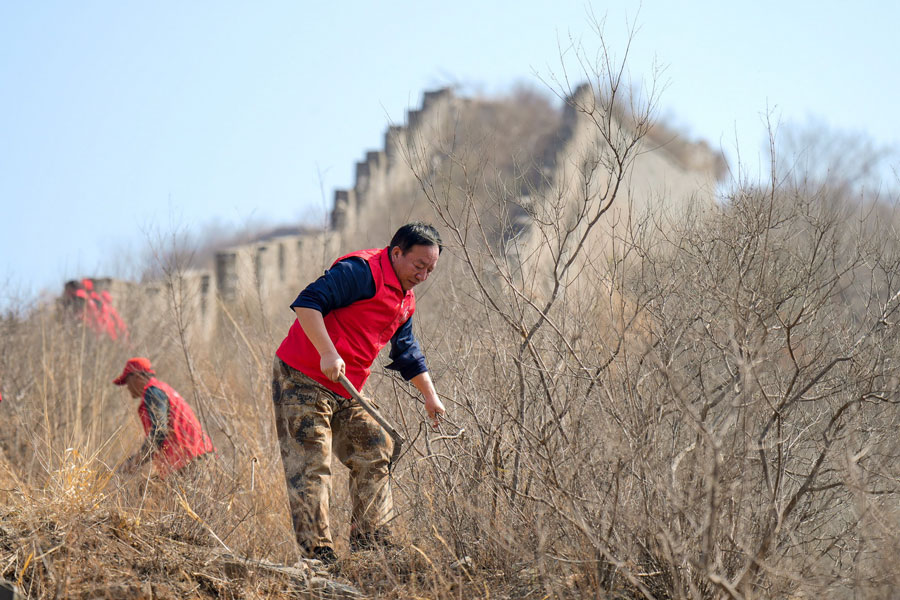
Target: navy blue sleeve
column 348, row 281
column 158, row 410
column 406, row 355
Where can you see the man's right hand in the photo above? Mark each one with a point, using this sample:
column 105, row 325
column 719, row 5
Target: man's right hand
column 330, row 362
column 332, row 366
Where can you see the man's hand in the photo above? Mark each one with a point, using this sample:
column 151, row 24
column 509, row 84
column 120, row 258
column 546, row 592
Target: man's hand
column 332, row 365
column 435, row 409
column 330, row 362
column 433, row 405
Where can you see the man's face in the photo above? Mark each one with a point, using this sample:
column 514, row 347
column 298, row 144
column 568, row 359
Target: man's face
column 415, row 266
column 135, row 384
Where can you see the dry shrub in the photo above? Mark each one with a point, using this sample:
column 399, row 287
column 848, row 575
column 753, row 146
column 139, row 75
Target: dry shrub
column 684, row 401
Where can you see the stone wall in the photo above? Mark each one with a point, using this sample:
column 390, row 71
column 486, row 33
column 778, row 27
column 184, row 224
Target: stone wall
column 668, row 177
column 384, row 179
column 261, row 278
column 246, row 281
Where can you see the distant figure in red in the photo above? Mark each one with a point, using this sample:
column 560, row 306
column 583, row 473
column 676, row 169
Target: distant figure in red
column 115, row 326
column 95, row 309
column 175, row 440
column 78, row 297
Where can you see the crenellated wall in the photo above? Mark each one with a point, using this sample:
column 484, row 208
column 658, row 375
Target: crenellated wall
column 384, row 181
column 262, row 277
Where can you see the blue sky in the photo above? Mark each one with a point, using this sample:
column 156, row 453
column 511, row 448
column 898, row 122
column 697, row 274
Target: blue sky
column 121, row 119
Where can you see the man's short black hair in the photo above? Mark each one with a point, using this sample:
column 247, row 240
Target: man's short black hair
column 414, row 234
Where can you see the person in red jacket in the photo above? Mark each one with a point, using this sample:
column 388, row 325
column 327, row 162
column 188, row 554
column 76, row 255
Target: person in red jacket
column 112, row 320
column 175, row 438
column 95, row 309
column 89, row 311
column 344, row 319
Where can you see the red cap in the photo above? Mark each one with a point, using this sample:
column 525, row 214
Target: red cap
column 134, row 365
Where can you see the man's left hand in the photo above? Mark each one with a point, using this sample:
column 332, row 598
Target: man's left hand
column 435, row 409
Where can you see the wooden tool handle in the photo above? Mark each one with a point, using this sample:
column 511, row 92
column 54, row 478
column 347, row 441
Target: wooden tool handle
column 398, row 439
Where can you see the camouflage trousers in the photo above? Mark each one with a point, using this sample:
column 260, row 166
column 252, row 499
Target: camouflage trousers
column 314, row 422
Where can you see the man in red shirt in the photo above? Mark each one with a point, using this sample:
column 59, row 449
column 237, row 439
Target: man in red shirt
column 175, row 438
column 344, row 318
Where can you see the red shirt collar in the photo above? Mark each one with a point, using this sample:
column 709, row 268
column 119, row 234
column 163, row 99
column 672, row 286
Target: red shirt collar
column 390, row 277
